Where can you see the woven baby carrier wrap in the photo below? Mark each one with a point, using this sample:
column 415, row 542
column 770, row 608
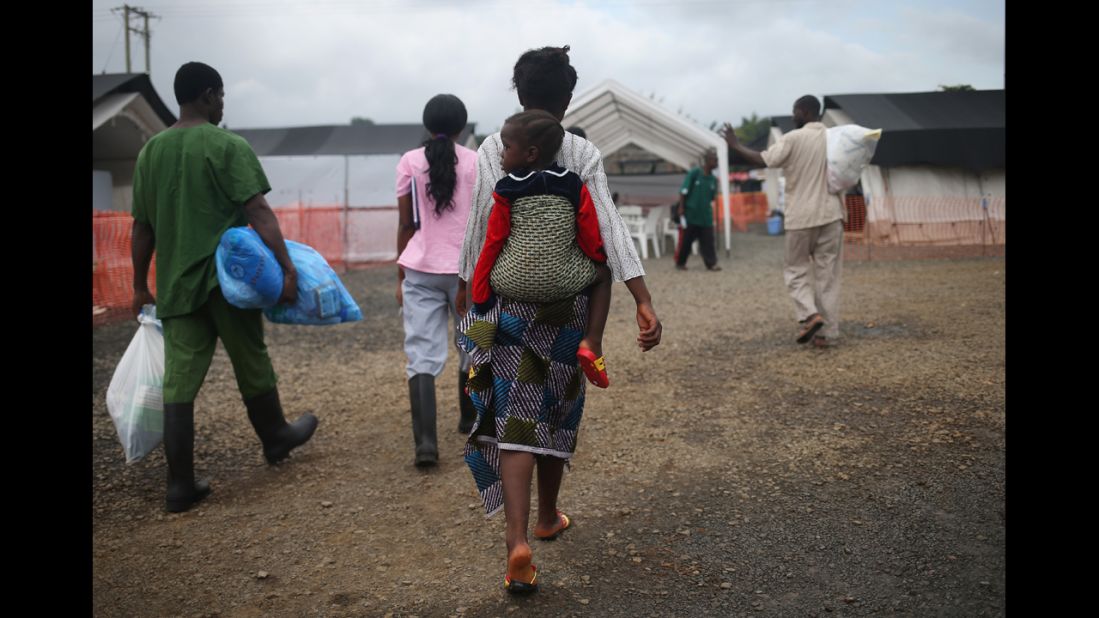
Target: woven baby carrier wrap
column 540, row 261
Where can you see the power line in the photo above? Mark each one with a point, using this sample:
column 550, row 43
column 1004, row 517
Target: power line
column 144, row 31
column 113, row 47
column 276, row 9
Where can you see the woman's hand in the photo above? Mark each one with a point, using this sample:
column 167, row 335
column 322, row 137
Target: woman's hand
column 461, row 304
column 649, row 325
column 647, row 322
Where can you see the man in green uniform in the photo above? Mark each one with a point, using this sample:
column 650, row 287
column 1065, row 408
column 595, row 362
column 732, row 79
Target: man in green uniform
column 696, row 198
column 192, row 182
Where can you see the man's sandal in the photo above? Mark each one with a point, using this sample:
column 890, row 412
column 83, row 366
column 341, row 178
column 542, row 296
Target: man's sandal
column 810, row 328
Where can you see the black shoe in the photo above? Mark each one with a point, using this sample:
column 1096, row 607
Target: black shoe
column 810, row 327
column 421, row 392
column 278, row 436
column 465, row 404
column 179, row 451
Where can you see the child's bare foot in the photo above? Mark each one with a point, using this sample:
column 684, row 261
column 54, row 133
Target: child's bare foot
column 590, row 357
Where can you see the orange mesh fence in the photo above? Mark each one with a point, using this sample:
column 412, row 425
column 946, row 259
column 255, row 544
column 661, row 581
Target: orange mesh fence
column 744, row 208
column 914, row 227
column 856, row 217
column 112, row 267
column 320, row 227
column 930, row 226
column 936, row 221
column 359, row 235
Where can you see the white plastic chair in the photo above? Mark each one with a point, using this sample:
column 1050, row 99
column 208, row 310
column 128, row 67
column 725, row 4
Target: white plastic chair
column 634, row 218
column 670, row 229
column 653, row 223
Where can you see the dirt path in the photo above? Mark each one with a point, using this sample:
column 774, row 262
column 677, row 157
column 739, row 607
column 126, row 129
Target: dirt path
column 728, row 472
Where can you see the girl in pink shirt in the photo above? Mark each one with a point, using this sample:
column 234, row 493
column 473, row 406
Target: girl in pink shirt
column 434, row 192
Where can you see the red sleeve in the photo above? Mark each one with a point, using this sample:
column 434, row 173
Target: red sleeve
column 499, row 226
column 587, row 228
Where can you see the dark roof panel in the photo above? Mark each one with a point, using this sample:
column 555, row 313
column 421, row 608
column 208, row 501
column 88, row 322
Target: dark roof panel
column 111, row 83
column 958, row 129
column 923, row 110
column 339, row 139
column 738, row 161
column 784, row 123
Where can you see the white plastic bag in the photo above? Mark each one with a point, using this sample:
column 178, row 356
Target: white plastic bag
column 135, row 397
column 850, row 148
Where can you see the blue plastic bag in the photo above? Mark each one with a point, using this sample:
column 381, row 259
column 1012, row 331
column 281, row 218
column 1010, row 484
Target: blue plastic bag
column 322, row 298
column 247, row 272
column 249, row 275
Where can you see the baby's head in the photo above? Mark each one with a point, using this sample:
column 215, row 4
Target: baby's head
column 531, row 139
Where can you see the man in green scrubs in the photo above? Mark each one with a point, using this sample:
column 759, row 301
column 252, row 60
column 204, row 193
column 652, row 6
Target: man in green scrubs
column 192, row 182
column 696, row 198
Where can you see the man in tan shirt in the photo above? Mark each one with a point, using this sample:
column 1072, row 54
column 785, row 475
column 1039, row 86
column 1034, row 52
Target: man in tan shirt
column 814, row 221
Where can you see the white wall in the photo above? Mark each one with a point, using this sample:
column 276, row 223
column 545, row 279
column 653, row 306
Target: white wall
column 320, row 180
column 102, row 190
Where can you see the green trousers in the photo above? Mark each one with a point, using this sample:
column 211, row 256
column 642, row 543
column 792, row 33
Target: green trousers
column 190, row 340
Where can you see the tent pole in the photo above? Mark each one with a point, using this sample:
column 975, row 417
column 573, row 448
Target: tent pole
column 346, row 209
column 723, row 164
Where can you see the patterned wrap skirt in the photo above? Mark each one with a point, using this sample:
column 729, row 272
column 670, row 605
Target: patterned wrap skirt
column 525, row 384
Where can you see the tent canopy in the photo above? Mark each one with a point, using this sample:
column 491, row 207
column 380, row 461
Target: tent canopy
column 614, row 116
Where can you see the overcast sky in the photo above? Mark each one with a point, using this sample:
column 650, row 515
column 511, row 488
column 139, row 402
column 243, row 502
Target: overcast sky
column 290, row 63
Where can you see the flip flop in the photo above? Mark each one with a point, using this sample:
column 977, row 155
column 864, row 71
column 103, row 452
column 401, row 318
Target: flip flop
column 594, row 368
column 565, row 523
column 517, row 587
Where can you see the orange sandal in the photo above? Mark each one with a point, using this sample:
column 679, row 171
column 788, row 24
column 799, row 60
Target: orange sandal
column 519, row 560
column 594, row 368
column 565, row 523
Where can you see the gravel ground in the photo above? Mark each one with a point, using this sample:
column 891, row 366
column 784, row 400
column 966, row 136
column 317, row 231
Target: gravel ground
column 728, row 472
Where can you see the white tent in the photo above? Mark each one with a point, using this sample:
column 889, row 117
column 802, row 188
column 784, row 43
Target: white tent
column 347, row 167
column 362, row 186
column 939, row 175
column 614, row 116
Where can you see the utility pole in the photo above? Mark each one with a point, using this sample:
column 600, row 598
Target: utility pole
column 126, row 27
column 148, row 70
column 144, row 32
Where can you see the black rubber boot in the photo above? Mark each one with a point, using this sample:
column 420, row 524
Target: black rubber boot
column 278, row 436
column 179, row 450
column 468, row 412
column 421, row 391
